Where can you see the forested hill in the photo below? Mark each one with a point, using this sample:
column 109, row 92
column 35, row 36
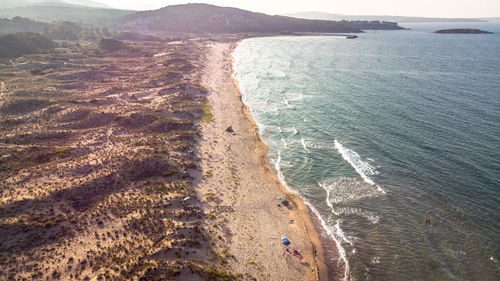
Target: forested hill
column 52, row 21
column 87, row 16
column 26, row 3
column 204, row 18
column 55, row 31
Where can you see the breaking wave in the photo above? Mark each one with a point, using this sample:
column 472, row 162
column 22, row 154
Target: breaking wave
column 342, row 192
column 304, row 145
column 364, row 169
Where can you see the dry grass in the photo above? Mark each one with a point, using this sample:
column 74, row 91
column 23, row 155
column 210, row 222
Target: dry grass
column 94, row 166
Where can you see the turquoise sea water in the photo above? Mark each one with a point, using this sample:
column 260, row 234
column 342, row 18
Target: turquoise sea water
column 381, row 132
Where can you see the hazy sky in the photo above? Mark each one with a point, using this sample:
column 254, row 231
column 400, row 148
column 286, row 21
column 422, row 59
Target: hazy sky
column 430, row 8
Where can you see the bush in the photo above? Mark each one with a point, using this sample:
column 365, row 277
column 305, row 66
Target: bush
column 18, row 44
column 217, row 274
column 168, row 173
column 207, row 113
column 36, row 71
column 62, row 151
column 111, row 45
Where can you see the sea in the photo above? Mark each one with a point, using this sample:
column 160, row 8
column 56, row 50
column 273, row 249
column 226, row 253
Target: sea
column 382, row 133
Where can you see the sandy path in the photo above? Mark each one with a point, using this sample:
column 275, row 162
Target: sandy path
column 236, row 170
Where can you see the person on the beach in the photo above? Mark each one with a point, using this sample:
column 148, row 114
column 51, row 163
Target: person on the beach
column 297, row 254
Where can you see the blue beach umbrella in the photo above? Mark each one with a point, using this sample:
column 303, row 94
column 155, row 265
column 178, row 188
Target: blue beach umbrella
column 285, row 241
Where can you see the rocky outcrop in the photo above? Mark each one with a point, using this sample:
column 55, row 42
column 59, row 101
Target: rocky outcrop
column 463, row 31
column 372, row 25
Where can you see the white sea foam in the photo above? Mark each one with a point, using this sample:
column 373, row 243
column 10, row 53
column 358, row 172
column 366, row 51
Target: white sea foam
column 304, row 145
column 262, row 128
column 287, row 130
column 315, row 145
column 371, row 217
column 329, row 231
column 270, row 109
column 283, row 141
column 341, row 233
column 274, row 73
column 345, row 190
column 277, row 164
column 294, row 97
column 364, row 169
column 318, row 145
column 287, row 103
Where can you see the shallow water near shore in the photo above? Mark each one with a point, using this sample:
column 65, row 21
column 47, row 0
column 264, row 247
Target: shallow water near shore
column 381, row 132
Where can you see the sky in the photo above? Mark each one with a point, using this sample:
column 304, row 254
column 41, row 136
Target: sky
column 424, row 8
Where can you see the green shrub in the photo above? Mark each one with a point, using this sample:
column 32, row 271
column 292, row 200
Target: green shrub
column 207, row 113
column 18, row 44
column 168, row 173
column 36, row 71
column 217, row 274
column 111, row 45
column 61, row 151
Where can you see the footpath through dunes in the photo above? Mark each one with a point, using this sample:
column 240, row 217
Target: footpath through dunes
column 238, row 175
column 96, row 150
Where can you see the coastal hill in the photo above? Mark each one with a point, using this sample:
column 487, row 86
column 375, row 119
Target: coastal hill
column 49, row 12
column 25, row 3
column 204, row 18
column 190, row 18
column 57, row 30
column 463, row 31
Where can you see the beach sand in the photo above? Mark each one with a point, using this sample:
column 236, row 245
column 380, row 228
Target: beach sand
column 237, row 175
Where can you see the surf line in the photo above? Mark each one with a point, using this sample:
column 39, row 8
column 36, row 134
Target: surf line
column 304, row 145
column 364, row 169
column 331, row 232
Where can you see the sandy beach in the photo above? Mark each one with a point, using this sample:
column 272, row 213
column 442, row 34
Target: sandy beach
column 190, row 142
column 238, row 173
column 137, row 187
